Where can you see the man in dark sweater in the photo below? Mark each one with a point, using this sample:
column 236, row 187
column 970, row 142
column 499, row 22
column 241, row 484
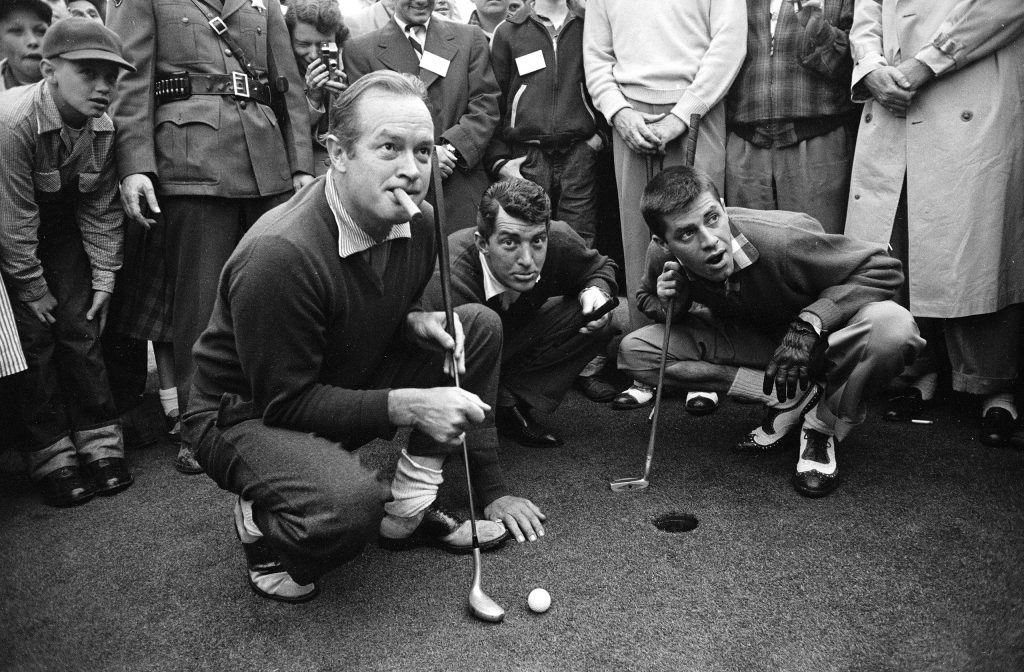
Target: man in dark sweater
column 313, row 349
column 541, row 278
column 787, row 307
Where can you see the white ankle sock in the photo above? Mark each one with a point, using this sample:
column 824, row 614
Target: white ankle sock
column 248, row 531
column 749, row 384
column 414, row 488
column 1002, row 400
column 169, row 400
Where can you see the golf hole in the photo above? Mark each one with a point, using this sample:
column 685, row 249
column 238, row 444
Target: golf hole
column 676, row 522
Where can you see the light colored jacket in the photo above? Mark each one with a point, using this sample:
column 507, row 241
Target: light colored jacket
column 961, row 148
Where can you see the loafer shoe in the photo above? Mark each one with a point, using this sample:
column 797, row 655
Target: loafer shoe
column 816, row 471
column 266, row 575
column 637, row 396
column 596, row 388
column 65, row 487
column 906, row 406
column 997, row 427
column 701, row 403
column 516, row 423
column 777, row 423
column 186, row 463
column 443, row 530
column 109, row 475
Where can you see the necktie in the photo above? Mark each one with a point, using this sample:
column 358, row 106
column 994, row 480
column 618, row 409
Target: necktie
column 415, row 32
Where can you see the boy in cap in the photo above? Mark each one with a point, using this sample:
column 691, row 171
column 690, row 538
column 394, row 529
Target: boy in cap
column 22, row 26
column 60, row 245
column 88, row 9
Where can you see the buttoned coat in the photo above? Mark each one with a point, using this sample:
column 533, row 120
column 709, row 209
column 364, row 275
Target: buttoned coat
column 463, row 103
column 961, row 147
column 208, row 145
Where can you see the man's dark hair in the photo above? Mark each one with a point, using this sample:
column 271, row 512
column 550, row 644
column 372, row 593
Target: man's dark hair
column 324, row 15
column 521, row 199
column 344, row 122
column 672, row 191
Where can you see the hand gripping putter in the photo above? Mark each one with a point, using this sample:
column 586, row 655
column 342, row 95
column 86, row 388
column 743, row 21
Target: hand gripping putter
column 623, row 484
column 480, row 605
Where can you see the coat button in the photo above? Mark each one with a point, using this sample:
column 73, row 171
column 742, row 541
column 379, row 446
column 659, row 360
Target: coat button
column 966, row 115
column 241, row 104
column 867, row 118
column 227, row 52
column 259, row 31
column 856, row 197
column 184, row 19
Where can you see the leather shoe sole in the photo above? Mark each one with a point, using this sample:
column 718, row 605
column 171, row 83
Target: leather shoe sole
column 186, row 463
column 435, row 527
column 997, row 427
column 815, row 484
column 109, row 476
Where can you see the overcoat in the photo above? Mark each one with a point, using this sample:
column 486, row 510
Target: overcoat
column 961, row 148
column 463, row 103
column 208, row 145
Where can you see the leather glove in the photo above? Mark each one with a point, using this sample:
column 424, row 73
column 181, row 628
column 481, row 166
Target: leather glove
column 791, row 361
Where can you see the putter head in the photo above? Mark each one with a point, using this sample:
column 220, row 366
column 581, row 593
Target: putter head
column 480, row 605
column 623, row 484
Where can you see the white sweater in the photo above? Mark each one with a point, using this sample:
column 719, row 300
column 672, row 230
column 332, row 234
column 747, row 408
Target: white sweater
column 684, row 53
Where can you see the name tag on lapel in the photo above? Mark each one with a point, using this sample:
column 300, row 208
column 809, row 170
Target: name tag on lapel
column 531, row 62
column 434, row 63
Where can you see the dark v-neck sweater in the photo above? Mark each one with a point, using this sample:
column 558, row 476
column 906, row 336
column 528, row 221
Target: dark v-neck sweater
column 297, row 330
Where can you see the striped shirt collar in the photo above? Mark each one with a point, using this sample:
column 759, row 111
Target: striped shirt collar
column 351, row 238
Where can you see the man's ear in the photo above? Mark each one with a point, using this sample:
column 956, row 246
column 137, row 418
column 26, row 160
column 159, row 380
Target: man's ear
column 660, row 242
column 336, row 153
column 481, row 242
column 47, row 69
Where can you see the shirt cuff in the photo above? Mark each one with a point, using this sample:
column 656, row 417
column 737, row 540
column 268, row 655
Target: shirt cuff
column 936, row 59
column 813, row 320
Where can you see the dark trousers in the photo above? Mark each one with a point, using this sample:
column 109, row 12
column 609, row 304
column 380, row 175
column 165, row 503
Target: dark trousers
column 542, row 357
column 202, row 232
column 316, row 504
column 64, row 398
column 569, row 176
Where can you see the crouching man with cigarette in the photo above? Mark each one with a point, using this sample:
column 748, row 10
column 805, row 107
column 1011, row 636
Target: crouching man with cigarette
column 795, row 317
column 314, row 349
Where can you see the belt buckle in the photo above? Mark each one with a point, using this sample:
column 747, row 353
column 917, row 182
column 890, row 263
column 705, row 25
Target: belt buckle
column 218, row 25
column 240, row 84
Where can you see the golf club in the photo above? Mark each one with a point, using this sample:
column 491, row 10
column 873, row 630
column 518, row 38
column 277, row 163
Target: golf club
column 622, row 484
column 480, row 604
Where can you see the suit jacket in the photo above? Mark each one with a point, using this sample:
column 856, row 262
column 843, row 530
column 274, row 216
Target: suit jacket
column 463, row 103
column 208, row 145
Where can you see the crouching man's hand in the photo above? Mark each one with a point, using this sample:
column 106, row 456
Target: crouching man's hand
column 791, row 362
column 521, row 517
column 442, row 413
column 428, row 331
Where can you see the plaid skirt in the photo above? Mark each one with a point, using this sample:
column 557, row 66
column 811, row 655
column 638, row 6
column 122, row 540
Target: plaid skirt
column 144, row 294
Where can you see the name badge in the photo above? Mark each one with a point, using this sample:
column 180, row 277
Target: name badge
column 531, row 62
column 434, row 63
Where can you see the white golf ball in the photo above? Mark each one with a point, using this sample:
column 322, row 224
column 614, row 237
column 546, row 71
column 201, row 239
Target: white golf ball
column 539, row 600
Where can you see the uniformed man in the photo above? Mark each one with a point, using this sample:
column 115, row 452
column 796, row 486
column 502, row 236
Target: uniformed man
column 212, row 131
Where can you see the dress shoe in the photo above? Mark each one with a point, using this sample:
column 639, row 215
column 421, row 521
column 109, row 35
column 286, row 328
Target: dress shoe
column 596, row 388
column 701, row 403
column 441, row 529
column 186, row 463
column 65, row 487
column 637, row 396
column 777, row 423
column 816, row 471
column 109, row 475
column 266, row 575
column 906, row 406
column 997, row 427
column 516, row 423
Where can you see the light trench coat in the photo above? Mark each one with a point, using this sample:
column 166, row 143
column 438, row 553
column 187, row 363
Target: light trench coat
column 961, row 148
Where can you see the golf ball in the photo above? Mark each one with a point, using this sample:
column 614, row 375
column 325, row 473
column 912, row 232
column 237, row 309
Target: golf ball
column 539, row 600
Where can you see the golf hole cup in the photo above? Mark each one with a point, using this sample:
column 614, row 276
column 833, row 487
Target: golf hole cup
column 539, row 600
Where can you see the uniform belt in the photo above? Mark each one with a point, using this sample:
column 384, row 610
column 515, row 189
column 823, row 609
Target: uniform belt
column 183, row 85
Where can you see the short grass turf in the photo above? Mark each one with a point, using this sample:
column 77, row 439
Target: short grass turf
column 914, row 563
